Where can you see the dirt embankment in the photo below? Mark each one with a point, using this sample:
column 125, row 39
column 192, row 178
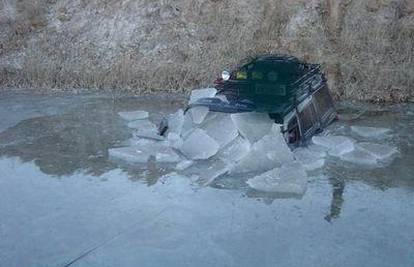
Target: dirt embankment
column 365, row 46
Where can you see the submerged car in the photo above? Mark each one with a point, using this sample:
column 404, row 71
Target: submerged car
column 295, row 94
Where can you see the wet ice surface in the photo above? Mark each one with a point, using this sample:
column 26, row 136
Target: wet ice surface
column 62, row 197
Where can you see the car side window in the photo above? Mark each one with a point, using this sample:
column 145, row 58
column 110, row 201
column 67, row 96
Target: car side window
column 293, row 131
column 323, row 101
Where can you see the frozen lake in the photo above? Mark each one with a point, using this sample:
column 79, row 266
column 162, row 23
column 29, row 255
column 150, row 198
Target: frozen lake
column 63, row 202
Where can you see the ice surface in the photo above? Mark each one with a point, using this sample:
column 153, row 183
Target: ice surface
column 198, row 114
column 202, row 93
column 175, row 122
column 234, row 151
column 336, row 145
column 252, row 125
column 142, row 124
column 370, row 132
column 199, row 145
column 291, row 178
column 182, row 165
column 134, row 115
column 221, row 128
column 269, row 152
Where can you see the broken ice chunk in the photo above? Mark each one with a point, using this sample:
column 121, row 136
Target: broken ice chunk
column 199, row 113
column 291, row 178
column 133, row 154
column 183, row 165
column 134, row 115
column 202, row 93
column 175, row 122
column 199, row 145
column 207, row 170
column 142, row 124
column 188, row 125
column 370, row 132
column 360, row 157
column 336, row 145
column 221, row 128
column 252, row 125
column 234, row 151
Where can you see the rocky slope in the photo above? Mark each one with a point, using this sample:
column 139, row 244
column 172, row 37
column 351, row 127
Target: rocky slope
column 365, row 46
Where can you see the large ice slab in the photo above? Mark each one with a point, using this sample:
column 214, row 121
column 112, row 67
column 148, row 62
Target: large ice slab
column 198, row 114
column 134, row 115
column 370, row 154
column 370, row 132
column 221, row 128
column 132, row 154
column 380, row 151
column 188, row 125
column 167, row 155
column 252, row 125
column 235, row 151
column 174, row 140
column 142, row 125
column 207, row 170
column 269, row 152
column 291, row 178
column 335, row 145
column 148, row 134
column 202, row 93
column 199, row 145
column 176, row 122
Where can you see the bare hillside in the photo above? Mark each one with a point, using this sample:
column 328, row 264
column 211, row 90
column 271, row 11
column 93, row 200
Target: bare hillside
column 365, row 46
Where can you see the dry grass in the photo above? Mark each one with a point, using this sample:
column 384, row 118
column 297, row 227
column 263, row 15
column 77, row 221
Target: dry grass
column 366, row 60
